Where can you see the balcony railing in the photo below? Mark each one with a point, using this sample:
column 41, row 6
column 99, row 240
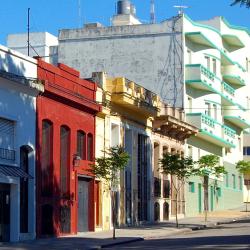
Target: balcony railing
column 199, row 77
column 211, row 130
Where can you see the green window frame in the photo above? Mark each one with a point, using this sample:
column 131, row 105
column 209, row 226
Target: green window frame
column 240, row 182
column 234, row 181
column 191, row 187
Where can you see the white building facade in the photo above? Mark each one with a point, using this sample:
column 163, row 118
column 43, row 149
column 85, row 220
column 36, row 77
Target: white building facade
column 18, row 91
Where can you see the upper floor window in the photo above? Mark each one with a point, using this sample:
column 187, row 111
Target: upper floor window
column 208, row 108
column 64, row 159
column 47, row 158
column 189, row 56
column 81, row 144
column 90, row 151
column 246, row 150
column 207, row 61
column 215, row 111
column 190, row 104
column 214, row 66
column 7, row 132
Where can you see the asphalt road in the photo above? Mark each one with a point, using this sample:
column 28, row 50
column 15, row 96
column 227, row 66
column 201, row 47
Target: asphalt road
column 228, row 236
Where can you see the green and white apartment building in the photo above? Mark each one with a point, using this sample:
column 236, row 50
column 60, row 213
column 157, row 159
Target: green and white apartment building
column 201, row 67
column 216, row 77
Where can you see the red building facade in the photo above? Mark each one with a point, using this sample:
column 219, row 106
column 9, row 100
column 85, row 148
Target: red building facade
column 66, row 190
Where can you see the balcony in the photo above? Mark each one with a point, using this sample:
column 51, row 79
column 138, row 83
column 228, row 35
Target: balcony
column 236, row 116
column 233, row 74
column 133, row 96
column 199, row 77
column 212, row 131
column 233, row 41
column 227, row 94
column 199, row 38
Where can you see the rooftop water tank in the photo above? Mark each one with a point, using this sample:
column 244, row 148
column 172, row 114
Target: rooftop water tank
column 123, row 7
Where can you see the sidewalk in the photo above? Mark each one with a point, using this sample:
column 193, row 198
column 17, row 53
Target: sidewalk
column 97, row 240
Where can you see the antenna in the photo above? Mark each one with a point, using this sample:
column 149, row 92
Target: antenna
column 28, row 41
column 181, row 8
column 152, row 11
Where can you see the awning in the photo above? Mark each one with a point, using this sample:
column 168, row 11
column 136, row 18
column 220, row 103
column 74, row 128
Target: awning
column 9, row 171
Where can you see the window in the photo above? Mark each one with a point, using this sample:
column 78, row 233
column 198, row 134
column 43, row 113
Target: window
column 190, row 151
column 215, row 111
column 81, row 144
column 90, row 148
column 246, row 150
column 239, row 142
column 207, row 59
column 157, row 187
column 64, row 159
column 189, row 56
column 227, row 179
column 247, row 65
column 240, row 183
column 214, row 66
column 47, row 159
column 207, row 109
column 218, row 191
column 191, row 187
column 234, row 181
column 7, row 132
column 166, row 188
column 189, row 104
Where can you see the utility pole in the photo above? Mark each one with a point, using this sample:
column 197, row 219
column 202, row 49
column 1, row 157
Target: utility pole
column 28, row 41
column 152, row 11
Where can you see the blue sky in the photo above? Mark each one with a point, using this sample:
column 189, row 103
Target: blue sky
column 51, row 15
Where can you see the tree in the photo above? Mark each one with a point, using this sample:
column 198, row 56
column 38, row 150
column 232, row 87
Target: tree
column 242, row 2
column 179, row 167
column 107, row 168
column 208, row 165
column 244, row 168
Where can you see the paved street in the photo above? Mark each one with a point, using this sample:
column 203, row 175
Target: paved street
column 227, row 236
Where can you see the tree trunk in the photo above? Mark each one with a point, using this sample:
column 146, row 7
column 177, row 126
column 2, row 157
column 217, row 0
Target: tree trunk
column 113, row 204
column 176, row 209
column 205, row 186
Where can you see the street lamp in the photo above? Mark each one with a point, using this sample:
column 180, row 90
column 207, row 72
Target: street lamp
column 76, row 160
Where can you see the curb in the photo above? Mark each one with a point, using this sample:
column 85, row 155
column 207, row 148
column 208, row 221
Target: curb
column 116, row 243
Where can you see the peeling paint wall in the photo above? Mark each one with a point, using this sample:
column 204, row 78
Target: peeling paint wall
column 149, row 54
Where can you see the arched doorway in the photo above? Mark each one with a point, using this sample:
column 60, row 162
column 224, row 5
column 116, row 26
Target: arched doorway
column 165, row 211
column 157, row 211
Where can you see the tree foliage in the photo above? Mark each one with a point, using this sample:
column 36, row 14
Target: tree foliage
column 242, row 3
column 209, row 165
column 106, row 167
column 243, row 167
column 176, row 165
